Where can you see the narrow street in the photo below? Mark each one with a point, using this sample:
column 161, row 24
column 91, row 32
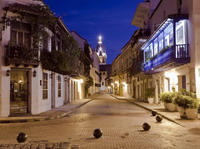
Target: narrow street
column 120, row 121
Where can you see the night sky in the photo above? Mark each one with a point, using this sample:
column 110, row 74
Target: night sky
column 90, row 18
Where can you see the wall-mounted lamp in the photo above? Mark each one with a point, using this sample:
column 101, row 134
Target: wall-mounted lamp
column 8, row 73
column 51, row 75
column 59, row 77
column 34, row 73
column 67, row 79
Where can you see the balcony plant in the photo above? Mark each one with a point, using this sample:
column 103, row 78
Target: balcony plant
column 167, row 98
column 149, row 94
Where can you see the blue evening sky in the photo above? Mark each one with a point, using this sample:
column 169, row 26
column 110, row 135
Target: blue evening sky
column 90, row 18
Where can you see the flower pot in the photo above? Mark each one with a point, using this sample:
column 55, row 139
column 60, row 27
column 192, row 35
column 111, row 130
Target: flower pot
column 171, row 107
column 176, row 108
column 165, row 105
column 182, row 112
column 192, row 113
column 150, row 100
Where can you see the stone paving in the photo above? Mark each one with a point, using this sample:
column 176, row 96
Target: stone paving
column 36, row 145
column 172, row 116
column 48, row 115
column 120, row 121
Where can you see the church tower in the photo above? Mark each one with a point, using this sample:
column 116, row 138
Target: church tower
column 101, row 51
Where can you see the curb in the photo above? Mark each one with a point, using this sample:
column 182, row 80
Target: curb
column 148, row 109
column 45, row 118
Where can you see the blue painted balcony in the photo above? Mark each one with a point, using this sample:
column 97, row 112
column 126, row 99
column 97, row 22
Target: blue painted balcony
column 170, row 57
column 168, row 46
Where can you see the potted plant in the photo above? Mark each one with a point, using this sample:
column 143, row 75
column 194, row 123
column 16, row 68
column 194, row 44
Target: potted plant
column 187, row 101
column 192, row 108
column 167, row 98
column 180, row 100
column 149, row 94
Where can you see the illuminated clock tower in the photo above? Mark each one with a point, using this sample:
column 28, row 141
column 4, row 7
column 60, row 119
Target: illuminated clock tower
column 101, row 51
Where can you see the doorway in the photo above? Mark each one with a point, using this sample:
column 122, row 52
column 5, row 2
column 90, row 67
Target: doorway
column 19, row 88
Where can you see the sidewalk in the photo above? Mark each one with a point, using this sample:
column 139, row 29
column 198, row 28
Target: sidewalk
column 49, row 115
column 159, row 108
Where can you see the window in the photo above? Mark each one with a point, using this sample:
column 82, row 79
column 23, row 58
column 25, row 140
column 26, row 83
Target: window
column 45, row 85
column 155, row 46
column 59, row 86
column 102, row 83
column 168, row 33
column 46, row 43
column 20, row 33
column 160, row 39
column 180, row 32
column 151, row 51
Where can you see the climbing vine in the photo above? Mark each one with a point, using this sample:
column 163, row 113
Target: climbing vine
column 42, row 20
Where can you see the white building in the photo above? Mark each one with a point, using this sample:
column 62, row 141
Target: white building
column 171, row 54
column 25, row 86
column 94, row 67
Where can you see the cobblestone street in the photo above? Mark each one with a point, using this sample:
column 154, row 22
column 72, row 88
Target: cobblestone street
column 120, row 121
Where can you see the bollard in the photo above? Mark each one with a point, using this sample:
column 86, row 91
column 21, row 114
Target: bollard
column 159, row 118
column 97, row 133
column 146, row 126
column 22, row 137
column 153, row 113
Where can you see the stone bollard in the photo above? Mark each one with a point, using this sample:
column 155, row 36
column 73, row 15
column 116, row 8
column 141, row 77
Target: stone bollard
column 97, row 133
column 22, row 137
column 159, row 118
column 146, row 126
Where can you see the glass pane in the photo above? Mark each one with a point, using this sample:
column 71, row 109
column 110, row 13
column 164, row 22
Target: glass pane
column 45, row 94
column 27, row 39
column 44, row 84
column 59, row 93
column 59, row 85
column 20, row 38
column 13, row 39
column 181, row 32
column 168, row 33
column 155, row 46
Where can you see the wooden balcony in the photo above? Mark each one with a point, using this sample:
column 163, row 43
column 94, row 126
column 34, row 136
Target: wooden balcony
column 21, row 55
column 168, row 58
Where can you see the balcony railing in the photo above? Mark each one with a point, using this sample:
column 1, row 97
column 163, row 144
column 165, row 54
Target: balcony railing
column 167, row 58
column 21, row 55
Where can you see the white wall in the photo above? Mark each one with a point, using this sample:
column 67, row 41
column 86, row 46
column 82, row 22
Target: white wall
column 103, row 77
column 196, row 31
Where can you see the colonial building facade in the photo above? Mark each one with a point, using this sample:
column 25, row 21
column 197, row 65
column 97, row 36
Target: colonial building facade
column 171, row 53
column 127, row 79
column 37, row 55
column 94, row 62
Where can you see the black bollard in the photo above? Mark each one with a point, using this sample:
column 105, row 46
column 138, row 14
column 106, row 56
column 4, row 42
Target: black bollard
column 97, row 133
column 159, row 118
column 22, row 137
column 153, row 113
column 146, row 126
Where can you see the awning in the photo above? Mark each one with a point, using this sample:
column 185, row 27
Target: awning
column 141, row 15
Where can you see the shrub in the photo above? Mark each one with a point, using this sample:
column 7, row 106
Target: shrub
column 186, row 101
column 149, row 92
column 167, row 97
